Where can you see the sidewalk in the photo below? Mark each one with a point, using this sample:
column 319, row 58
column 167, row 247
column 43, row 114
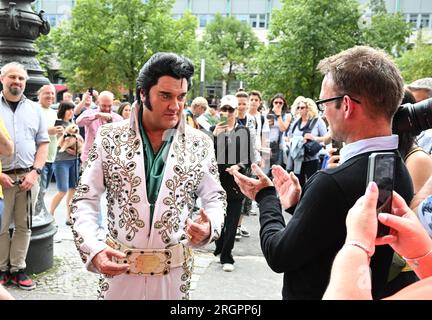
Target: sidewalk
column 69, row 280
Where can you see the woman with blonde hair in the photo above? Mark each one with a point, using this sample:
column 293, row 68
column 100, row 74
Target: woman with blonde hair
column 307, row 127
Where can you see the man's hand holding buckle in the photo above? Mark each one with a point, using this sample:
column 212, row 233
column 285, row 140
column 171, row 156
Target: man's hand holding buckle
column 198, row 230
column 104, row 264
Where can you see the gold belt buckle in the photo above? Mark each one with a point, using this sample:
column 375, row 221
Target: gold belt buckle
column 147, row 263
column 142, row 262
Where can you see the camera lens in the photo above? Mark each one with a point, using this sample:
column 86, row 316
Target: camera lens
column 413, row 118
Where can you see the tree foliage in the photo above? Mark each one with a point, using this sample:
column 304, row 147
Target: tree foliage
column 46, row 53
column 303, row 32
column 106, row 42
column 233, row 42
column 386, row 31
column 416, row 63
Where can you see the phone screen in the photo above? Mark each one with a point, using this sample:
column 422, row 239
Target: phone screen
column 58, row 123
column 224, row 120
column 381, row 170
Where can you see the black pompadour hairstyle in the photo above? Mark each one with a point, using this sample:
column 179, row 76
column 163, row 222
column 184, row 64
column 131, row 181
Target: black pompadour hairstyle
column 162, row 64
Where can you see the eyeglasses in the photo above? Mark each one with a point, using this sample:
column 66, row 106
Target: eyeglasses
column 321, row 103
column 301, row 108
column 278, row 102
column 227, row 109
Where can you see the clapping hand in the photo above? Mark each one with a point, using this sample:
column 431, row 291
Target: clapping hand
column 287, row 185
column 250, row 186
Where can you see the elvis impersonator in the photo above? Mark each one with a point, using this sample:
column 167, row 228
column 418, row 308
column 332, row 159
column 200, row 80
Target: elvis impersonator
column 152, row 167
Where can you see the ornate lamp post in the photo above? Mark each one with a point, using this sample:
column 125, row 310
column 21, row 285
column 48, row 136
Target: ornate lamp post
column 19, row 27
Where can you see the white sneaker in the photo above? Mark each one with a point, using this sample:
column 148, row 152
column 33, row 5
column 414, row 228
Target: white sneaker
column 244, row 232
column 228, row 267
column 238, row 235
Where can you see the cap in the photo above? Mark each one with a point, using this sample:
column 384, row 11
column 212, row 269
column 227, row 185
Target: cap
column 424, row 83
column 229, row 100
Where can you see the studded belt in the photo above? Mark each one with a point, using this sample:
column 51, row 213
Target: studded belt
column 151, row 262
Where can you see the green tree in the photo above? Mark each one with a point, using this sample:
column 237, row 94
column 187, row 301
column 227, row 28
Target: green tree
column 106, row 42
column 416, row 63
column 46, row 55
column 301, row 33
column 233, row 42
column 385, row 30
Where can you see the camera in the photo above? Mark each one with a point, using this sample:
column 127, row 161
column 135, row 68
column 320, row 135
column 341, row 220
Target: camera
column 413, row 118
column 90, row 90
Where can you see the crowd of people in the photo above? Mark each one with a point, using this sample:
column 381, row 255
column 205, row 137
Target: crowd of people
column 178, row 177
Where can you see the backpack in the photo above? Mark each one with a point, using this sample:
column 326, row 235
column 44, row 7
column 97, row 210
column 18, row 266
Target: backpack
column 311, row 147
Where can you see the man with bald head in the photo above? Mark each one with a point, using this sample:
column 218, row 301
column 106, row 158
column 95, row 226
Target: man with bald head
column 27, row 127
column 92, row 119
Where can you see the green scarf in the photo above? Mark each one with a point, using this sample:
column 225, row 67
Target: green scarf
column 154, row 165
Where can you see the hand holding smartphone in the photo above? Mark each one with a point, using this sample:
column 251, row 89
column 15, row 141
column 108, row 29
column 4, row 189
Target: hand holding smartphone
column 223, row 120
column 58, row 122
column 381, row 170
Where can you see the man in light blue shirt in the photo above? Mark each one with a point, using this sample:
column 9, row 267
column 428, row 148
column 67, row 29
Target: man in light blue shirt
column 28, row 130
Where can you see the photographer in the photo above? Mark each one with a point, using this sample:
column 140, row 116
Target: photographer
column 234, row 152
column 422, row 90
column 279, row 120
column 417, row 160
column 85, row 104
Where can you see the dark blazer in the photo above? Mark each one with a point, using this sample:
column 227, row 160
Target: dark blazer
column 305, row 248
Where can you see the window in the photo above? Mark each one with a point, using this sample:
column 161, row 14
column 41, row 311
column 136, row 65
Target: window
column 413, row 19
column 253, row 20
column 262, row 21
column 424, row 23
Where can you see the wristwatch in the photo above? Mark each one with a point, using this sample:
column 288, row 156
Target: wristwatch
column 38, row 170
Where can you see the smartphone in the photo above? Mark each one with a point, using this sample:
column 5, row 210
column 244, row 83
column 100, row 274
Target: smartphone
column 58, row 122
column 271, row 116
column 381, row 169
column 223, row 120
column 90, row 90
column 337, row 145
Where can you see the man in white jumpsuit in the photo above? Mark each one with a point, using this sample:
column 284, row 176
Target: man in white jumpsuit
column 150, row 166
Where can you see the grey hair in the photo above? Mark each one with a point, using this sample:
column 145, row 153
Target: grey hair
column 5, row 69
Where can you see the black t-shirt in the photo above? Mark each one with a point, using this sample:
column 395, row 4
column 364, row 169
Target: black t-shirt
column 12, row 104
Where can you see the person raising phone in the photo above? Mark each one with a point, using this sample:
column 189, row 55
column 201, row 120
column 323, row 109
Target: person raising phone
column 350, row 277
column 234, row 152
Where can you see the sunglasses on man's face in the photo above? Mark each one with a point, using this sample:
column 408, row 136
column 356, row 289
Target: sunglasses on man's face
column 227, row 109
